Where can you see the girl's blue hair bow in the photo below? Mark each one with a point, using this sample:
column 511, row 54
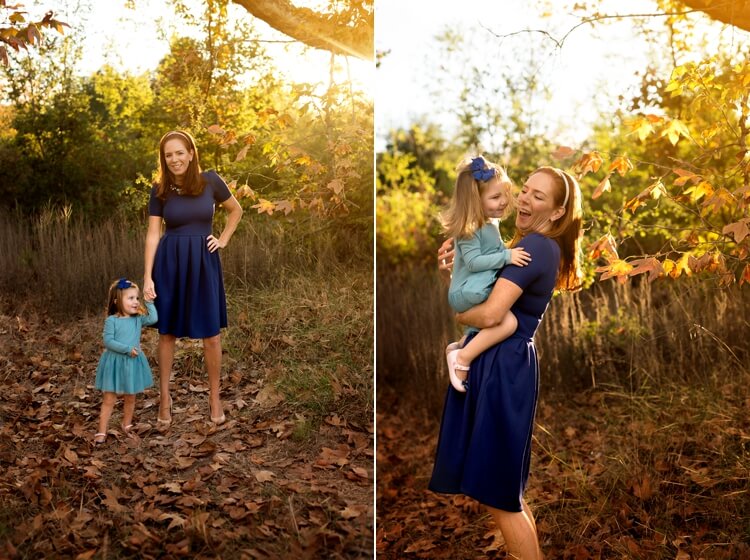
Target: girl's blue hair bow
column 479, row 171
column 123, row 284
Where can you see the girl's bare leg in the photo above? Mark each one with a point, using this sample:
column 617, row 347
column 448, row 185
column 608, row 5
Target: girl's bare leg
column 519, row 533
column 128, row 409
column 108, row 404
column 212, row 356
column 486, row 338
column 166, row 359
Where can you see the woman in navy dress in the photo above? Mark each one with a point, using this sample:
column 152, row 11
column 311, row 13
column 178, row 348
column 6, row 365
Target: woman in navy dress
column 182, row 269
column 484, row 447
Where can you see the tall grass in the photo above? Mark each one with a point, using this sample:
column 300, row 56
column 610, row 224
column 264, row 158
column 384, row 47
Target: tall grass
column 64, row 264
column 630, row 335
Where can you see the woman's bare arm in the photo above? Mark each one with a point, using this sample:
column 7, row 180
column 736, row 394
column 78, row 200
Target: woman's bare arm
column 491, row 312
column 152, row 241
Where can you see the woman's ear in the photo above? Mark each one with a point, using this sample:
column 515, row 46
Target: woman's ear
column 557, row 214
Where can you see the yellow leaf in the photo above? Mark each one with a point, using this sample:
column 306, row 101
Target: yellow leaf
column 674, row 130
column 696, row 192
column 216, row 129
column 616, row 269
column 265, row 206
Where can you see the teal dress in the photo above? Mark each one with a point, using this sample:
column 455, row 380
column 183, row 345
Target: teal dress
column 477, row 262
column 118, row 371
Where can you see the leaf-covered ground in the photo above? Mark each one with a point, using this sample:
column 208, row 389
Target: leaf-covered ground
column 653, row 474
column 270, row 483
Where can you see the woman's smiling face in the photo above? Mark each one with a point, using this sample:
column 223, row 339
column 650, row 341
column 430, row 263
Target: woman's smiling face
column 177, row 156
column 536, row 204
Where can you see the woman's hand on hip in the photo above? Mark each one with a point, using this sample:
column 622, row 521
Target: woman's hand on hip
column 214, row 243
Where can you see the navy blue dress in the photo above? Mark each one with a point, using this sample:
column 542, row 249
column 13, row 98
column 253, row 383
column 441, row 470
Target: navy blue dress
column 189, row 284
column 484, row 447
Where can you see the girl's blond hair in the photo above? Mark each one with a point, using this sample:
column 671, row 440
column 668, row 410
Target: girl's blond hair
column 114, row 302
column 465, row 213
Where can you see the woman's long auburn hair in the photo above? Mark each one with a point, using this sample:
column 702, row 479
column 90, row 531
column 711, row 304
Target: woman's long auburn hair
column 194, row 182
column 567, row 230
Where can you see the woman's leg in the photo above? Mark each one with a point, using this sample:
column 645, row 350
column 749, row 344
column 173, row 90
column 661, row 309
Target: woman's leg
column 108, row 403
column 212, row 356
column 519, row 533
column 128, row 409
column 166, row 359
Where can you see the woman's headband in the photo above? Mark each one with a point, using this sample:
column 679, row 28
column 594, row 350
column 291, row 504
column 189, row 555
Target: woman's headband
column 185, row 136
column 567, row 187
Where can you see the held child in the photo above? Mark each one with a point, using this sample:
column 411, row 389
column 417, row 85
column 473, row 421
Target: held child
column 482, row 196
column 123, row 369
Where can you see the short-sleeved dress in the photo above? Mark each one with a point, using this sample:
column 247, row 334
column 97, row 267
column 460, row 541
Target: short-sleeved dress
column 187, row 277
column 118, row 371
column 484, row 446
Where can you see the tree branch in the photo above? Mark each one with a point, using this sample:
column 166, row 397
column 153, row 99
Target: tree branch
column 727, row 9
column 349, row 33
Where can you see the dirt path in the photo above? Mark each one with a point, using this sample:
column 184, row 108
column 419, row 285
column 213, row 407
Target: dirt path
column 263, row 485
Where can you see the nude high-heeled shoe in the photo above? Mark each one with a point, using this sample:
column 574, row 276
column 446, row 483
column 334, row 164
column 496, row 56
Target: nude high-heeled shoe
column 165, row 423
column 218, row 420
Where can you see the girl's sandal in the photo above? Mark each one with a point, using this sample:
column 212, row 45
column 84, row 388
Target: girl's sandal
column 459, row 385
column 126, row 428
column 100, row 438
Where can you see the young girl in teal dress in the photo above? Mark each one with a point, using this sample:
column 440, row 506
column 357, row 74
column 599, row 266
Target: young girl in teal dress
column 482, row 197
column 123, row 369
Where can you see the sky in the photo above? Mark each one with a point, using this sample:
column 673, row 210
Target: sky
column 594, row 64
column 135, row 40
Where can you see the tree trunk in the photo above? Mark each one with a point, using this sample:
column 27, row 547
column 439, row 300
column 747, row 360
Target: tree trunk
column 735, row 12
column 327, row 31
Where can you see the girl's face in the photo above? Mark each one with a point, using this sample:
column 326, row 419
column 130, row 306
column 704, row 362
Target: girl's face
column 129, row 301
column 177, row 156
column 494, row 199
column 536, row 204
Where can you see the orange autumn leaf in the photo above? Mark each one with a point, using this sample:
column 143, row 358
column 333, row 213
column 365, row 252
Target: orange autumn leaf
column 739, row 230
column 605, row 246
column 563, row 152
column 588, row 163
column 650, row 265
column 603, row 186
column 621, row 164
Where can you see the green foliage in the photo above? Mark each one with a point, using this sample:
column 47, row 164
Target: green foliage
column 406, row 209
column 90, row 142
column 683, row 208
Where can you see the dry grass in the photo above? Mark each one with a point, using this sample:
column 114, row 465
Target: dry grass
column 633, row 336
